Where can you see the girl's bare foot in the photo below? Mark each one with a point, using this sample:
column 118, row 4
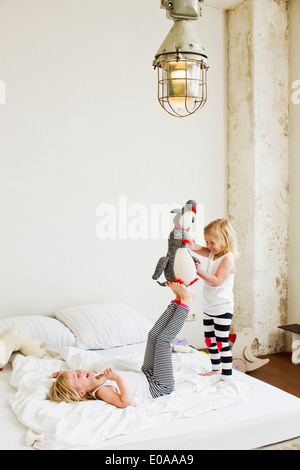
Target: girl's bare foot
column 212, row 372
column 183, row 294
column 172, row 287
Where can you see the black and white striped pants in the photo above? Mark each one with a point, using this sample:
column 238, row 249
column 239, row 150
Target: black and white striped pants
column 216, row 333
column 158, row 366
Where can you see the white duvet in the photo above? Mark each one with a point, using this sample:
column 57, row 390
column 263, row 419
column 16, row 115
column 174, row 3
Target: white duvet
column 65, row 425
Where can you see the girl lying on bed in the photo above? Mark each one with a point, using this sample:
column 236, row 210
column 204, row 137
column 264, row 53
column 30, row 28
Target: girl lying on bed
column 120, row 389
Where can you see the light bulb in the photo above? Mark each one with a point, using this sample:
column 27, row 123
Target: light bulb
column 181, row 83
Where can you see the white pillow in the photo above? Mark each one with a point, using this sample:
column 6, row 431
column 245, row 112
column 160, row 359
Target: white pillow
column 103, row 326
column 45, row 329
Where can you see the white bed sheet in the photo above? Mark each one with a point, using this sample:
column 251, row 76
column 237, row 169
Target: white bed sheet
column 12, row 432
column 269, row 415
column 264, row 416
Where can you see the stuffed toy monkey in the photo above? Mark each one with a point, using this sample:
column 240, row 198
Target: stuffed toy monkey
column 179, row 265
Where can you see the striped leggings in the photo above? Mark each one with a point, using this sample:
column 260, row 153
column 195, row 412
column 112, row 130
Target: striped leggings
column 216, row 333
column 158, row 366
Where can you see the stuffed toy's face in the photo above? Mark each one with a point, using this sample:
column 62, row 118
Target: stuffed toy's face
column 184, row 217
column 186, row 220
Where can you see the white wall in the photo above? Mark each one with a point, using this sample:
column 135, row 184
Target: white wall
column 294, row 258
column 82, row 126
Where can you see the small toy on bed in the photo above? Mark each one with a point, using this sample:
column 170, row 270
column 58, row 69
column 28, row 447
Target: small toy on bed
column 12, row 341
column 243, row 357
column 181, row 345
column 179, row 265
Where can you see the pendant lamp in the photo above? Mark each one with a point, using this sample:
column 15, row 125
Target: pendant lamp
column 181, row 61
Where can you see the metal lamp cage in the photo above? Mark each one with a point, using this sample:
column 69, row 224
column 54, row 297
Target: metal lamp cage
column 182, row 84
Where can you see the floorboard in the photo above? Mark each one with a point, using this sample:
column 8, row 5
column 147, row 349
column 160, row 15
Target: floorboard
column 280, row 372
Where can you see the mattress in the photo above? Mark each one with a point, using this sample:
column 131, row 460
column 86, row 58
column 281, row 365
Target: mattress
column 249, row 415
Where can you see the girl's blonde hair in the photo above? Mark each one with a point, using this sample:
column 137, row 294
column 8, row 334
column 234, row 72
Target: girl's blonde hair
column 223, row 232
column 61, row 391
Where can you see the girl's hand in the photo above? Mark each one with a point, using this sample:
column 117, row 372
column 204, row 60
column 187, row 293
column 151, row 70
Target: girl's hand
column 198, row 267
column 193, row 244
column 110, row 374
column 56, row 374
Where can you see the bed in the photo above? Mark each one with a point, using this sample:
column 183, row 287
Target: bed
column 244, row 413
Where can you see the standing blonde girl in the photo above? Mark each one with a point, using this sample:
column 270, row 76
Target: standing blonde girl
column 218, row 302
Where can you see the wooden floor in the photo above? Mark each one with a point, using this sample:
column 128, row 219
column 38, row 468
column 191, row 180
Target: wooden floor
column 280, row 372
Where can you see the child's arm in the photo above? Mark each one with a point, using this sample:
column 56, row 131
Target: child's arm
column 107, row 394
column 200, row 250
column 227, row 266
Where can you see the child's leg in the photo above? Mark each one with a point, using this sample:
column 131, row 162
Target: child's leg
column 163, row 366
column 153, row 333
column 222, row 327
column 160, row 377
column 210, row 341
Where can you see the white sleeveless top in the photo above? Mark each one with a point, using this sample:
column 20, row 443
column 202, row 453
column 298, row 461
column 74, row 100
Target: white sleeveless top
column 218, row 300
column 136, row 382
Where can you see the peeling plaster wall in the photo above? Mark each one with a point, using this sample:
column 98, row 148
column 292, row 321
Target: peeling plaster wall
column 294, row 140
column 258, row 165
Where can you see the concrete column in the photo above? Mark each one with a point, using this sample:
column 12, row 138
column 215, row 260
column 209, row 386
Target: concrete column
column 294, row 143
column 258, row 166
